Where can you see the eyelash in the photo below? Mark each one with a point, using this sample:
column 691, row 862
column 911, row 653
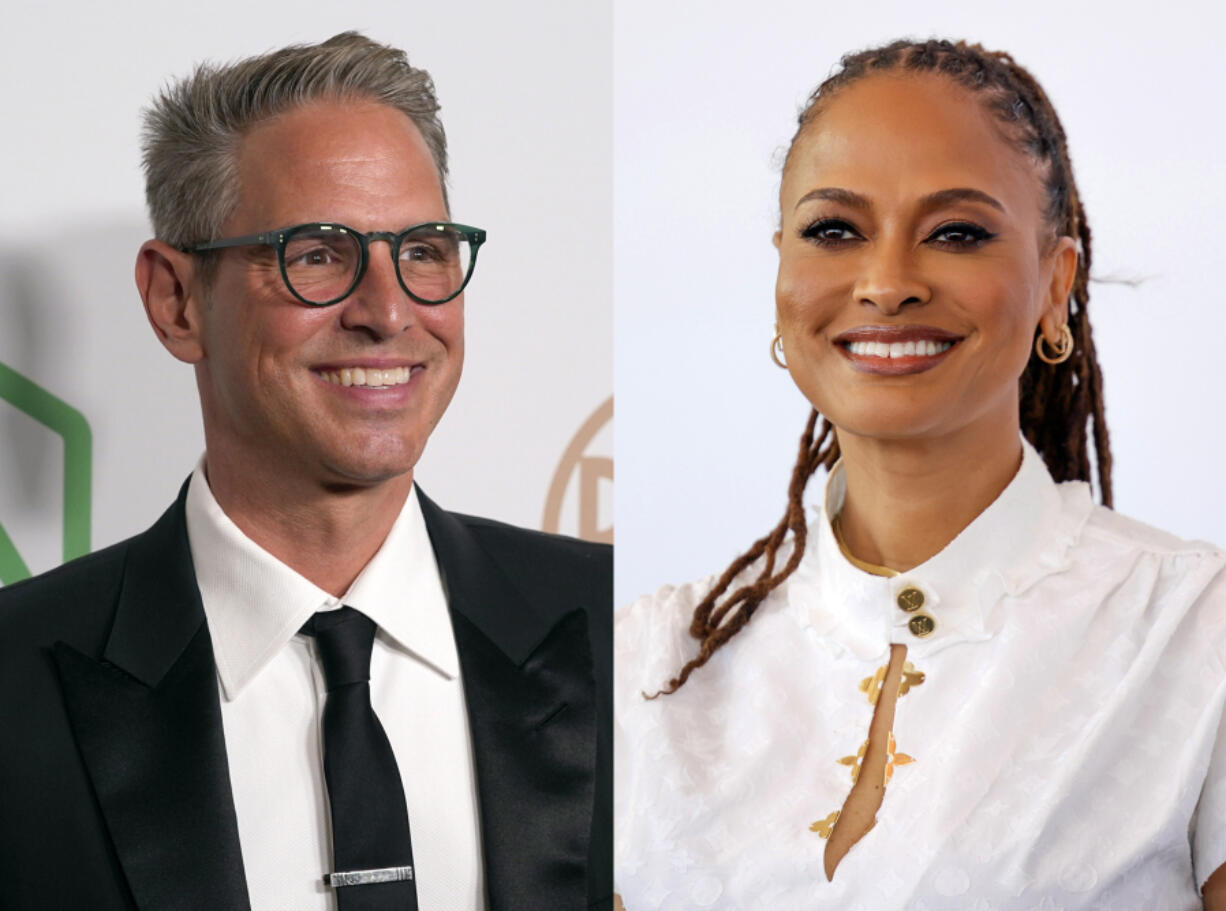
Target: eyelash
column 976, row 236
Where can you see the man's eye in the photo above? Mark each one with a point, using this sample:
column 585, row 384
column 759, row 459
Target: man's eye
column 421, row 253
column 960, row 235
column 315, row 256
column 829, row 232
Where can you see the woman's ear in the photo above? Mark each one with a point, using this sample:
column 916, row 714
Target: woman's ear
column 1063, row 267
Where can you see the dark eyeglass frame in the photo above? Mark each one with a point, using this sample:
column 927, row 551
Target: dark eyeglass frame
column 279, row 237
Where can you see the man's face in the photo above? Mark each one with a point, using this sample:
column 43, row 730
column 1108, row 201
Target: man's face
column 268, row 376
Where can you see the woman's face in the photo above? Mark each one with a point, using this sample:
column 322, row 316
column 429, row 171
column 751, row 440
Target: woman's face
column 914, row 262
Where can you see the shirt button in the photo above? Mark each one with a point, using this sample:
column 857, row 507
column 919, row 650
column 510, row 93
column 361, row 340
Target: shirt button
column 921, row 625
column 910, row 599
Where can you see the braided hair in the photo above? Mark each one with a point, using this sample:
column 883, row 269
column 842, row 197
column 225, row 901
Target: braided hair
column 1061, row 405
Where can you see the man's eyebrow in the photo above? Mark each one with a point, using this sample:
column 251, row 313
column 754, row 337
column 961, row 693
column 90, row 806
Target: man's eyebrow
column 931, row 201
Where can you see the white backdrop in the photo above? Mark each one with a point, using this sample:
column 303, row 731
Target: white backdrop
column 706, row 96
column 703, row 97
column 526, row 95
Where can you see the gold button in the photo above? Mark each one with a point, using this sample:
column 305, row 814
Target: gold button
column 910, row 599
column 922, row 625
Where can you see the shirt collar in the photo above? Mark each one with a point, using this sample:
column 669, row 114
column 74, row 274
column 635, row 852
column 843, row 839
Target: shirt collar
column 1024, row 535
column 255, row 604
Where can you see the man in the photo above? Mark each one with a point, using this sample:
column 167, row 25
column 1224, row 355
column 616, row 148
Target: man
column 187, row 719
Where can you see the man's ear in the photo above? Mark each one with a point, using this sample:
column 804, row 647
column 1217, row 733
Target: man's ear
column 166, row 281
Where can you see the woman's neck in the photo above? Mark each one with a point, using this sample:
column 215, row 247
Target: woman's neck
column 907, row 499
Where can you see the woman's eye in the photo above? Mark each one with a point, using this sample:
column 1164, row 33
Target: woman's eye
column 960, row 234
column 830, row 232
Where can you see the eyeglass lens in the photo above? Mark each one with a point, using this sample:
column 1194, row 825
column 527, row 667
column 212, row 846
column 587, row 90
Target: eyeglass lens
column 321, row 264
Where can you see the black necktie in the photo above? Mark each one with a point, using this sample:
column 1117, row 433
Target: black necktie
column 372, row 855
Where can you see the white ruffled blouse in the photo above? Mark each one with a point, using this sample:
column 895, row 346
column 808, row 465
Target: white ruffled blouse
column 1058, row 743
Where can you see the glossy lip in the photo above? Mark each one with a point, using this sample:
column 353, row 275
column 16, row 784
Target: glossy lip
column 895, row 366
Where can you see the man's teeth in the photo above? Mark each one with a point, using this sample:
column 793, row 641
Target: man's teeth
column 898, row 349
column 368, row 376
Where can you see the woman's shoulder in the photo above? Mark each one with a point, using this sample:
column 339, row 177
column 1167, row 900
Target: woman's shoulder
column 651, row 634
column 1109, row 528
column 1181, row 579
column 1108, row 536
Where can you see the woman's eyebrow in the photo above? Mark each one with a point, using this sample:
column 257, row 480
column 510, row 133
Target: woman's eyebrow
column 959, row 194
column 931, row 201
column 836, row 194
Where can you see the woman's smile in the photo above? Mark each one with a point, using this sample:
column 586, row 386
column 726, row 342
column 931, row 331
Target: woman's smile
column 895, row 350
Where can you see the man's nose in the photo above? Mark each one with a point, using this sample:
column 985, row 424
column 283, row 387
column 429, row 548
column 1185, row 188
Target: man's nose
column 890, row 278
column 379, row 304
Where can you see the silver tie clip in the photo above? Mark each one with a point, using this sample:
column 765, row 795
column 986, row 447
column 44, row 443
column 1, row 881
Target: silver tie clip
column 363, row 877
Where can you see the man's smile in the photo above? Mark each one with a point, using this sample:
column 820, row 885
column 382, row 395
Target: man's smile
column 369, row 377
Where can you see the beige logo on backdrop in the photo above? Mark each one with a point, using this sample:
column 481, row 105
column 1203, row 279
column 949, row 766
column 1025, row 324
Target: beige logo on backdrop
column 580, row 474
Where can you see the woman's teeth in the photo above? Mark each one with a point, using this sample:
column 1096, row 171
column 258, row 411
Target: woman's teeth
column 898, row 349
column 368, row 376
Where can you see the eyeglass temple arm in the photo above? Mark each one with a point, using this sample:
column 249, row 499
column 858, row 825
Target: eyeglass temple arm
column 476, row 236
column 247, row 240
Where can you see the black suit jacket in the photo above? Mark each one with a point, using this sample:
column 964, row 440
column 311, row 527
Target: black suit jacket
column 114, row 785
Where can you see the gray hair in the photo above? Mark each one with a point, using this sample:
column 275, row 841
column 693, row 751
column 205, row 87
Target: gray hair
column 193, row 127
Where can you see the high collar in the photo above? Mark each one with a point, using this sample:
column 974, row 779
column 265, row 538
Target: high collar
column 255, row 604
column 1024, row 535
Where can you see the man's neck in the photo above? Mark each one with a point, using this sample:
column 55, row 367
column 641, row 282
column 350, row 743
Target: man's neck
column 907, row 499
column 325, row 533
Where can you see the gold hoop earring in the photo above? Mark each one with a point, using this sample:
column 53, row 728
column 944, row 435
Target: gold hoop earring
column 777, row 349
column 1063, row 349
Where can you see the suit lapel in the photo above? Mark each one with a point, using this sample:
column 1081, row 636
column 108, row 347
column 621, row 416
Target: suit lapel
column 530, row 694
column 147, row 719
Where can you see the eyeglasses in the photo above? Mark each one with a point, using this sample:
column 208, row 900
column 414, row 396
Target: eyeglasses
column 322, row 263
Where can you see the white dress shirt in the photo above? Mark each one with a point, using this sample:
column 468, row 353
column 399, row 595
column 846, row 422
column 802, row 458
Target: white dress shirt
column 272, row 698
column 1064, row 749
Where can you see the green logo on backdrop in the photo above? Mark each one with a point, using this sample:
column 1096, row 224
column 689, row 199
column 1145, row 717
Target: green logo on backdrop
column 60, row 417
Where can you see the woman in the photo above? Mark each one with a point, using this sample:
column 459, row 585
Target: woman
column 964, row 684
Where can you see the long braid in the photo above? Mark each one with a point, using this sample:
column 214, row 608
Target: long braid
column 1057, row 402
column 1058, row 397
column 712, row 624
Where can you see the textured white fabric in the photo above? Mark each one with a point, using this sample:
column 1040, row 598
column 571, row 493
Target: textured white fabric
column 1068, row 725
column 273, row 695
